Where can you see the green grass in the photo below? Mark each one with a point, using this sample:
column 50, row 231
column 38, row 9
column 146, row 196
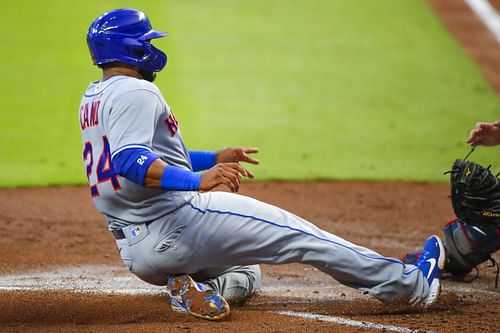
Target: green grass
column 327, row 89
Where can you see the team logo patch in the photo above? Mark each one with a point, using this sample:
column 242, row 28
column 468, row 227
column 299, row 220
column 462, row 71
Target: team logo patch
column 172, row 124
column 135, row 232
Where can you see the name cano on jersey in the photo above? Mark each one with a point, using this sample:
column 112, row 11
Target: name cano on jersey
column 89, row 117
column 88, row 114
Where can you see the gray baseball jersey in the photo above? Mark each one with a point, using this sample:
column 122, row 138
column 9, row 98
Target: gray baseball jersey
column 208, row 235
column 124, row 112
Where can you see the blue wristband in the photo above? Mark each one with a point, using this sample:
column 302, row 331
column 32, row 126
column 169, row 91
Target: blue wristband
column 202, row 160
column 178, row 179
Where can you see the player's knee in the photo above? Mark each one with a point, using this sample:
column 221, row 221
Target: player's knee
column 156, row 279
column 147, row 274
column 253, row 276
column 243, row 283
column 256, row 276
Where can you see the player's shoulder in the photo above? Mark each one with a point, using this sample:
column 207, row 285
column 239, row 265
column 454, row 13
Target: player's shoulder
column 139, row 91
column 121, row 85
column 127, row 85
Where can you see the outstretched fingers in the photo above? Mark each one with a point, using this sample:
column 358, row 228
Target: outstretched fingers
column 248, row 159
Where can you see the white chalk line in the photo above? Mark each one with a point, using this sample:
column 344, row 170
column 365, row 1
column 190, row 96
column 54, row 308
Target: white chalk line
column 117, row 280
column 487, row 13
column 348, row 322
column 104, row 277
column 83, row 279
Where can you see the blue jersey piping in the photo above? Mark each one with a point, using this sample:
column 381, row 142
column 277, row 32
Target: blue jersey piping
column 208, row 210
column 124, row 147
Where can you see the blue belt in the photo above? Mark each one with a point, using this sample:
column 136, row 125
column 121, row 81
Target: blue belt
column 119, row 234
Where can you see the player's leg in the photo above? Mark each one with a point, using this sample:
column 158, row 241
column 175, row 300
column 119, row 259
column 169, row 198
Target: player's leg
column 219, row 229
column 203, row 294
column 228, row 229
column 235, row 283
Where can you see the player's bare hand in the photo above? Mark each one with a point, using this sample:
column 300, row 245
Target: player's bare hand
column 485, row 134
column 226, row 174
column 237, row 154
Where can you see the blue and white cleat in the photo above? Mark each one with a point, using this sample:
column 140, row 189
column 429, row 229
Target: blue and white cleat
column 431, row 262
column 187, row 296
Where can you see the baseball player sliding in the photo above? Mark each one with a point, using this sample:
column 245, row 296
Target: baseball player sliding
column 170, row 228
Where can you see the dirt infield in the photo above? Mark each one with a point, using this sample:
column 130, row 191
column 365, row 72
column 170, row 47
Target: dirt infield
column 61, row 272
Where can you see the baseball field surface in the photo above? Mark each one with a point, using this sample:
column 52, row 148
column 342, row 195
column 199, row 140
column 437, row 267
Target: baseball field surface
column 56, row 278
column 358, row 108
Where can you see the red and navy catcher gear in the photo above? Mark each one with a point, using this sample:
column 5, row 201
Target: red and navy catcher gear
column 468, row 246
column 123, row 35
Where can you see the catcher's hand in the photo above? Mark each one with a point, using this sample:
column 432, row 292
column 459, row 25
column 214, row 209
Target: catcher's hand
column 475, row 194
column 485, row 134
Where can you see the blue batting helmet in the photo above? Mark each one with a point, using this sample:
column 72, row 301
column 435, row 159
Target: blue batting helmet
column 123, row 35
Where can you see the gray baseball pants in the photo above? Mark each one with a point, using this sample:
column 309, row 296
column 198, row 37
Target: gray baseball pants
column 219, row 238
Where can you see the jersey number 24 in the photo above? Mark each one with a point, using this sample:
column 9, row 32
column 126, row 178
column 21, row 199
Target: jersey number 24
column 104, row 170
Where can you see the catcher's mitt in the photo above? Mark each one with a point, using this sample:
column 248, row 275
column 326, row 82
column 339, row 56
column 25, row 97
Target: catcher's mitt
column 475, row 194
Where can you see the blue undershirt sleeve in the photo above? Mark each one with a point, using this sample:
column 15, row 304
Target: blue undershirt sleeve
column 174, row 178
column 133, row 163
column 202, row 160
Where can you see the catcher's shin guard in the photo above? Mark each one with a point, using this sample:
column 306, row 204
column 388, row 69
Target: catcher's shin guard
column 468, row 246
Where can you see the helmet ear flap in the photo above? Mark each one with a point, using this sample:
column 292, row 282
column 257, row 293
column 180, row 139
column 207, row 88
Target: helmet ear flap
column 154, row 59
column 139, row 53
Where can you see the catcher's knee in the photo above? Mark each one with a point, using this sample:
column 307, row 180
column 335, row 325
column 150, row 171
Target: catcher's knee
column 468, row 246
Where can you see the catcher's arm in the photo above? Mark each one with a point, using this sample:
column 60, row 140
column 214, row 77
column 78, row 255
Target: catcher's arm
column 485, row 134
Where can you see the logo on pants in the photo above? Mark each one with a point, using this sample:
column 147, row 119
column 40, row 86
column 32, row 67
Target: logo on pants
column 135, row 232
